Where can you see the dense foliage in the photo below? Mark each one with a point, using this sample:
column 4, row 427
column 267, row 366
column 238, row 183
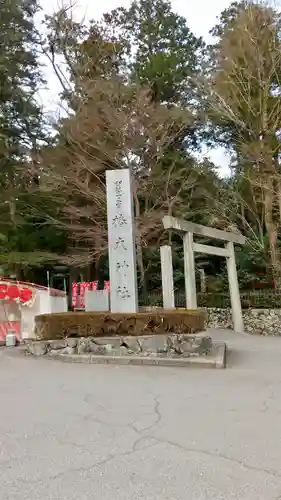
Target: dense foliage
column 139, row 89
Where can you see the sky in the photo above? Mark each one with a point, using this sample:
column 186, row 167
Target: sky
column 200, row 14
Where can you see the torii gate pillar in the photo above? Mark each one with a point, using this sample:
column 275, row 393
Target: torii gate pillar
column 188, row 229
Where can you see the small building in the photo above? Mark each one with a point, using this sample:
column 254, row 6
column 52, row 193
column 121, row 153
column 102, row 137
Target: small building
column 20, row 302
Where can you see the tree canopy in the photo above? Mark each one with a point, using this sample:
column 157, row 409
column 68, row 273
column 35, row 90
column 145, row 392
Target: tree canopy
column 139, row 90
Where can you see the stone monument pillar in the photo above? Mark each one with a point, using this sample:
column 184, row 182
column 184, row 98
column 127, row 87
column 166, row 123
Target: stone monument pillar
column 237, row 316
column 189, row 272
column 121, row 242
column 167, row 277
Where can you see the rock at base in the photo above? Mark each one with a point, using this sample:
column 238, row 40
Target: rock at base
column 132, row 344
column 187, row 345
column 37, row 348
column 57, row 344
column 72, row 342
column 163, row 346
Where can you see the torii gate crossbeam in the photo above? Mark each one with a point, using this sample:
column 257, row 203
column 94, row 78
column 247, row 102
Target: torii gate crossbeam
column 187, row 229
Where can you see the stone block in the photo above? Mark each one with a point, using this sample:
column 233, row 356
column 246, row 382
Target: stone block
column 57, row 344
column 215, row 359
column 58, row 352
column 205, row 345
column 53, row 352
column 152, row 343
column 96, row 300
column 71, row 342
column 82, row 346
column 97, row 349
column 120, row 351
column 68, row 350
column 37, row 348
column 187, row 345
column 58, row 304
column 195, row 345
column 132, row 344
column 113, row 341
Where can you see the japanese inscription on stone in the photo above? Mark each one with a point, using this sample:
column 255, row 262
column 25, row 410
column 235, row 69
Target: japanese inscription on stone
column 121, row 241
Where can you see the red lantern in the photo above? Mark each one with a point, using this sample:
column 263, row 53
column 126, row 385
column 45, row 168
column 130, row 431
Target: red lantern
column 74, row 294
column 83, row 286
column 25, row 294
column 3, row 291
column 13, row 292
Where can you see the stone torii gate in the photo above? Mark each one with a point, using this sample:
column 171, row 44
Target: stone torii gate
column 187, row 229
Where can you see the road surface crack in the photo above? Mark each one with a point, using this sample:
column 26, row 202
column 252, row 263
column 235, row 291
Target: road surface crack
column 217, row 455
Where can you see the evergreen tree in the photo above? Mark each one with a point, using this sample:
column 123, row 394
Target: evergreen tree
column 20, row 114
column 21, row 133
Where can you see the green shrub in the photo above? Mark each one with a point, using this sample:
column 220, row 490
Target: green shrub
column 84, row 324
column 260, row 299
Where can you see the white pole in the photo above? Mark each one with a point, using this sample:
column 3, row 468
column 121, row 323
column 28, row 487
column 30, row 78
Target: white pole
column 189, row 272
column 234, row 290
column 121, row 241
column 167, row 277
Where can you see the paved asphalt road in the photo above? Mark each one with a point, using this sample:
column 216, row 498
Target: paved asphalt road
column 81, row 432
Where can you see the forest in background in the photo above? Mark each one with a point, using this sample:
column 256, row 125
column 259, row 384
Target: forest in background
column 139, row 90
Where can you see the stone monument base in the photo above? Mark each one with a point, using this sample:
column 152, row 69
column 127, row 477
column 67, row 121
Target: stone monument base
column 165, row 350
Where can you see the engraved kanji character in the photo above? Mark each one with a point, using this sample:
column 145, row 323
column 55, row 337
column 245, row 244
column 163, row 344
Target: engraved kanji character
column 118, row 193
column 119, row 220
column 120, row 243
column 122, row 265
column 123, row 292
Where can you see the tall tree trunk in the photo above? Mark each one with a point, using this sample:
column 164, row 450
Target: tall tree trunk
column 203, row 284
column 140, row 259
column 278, row 183
column 15, row 268
column 272, row 231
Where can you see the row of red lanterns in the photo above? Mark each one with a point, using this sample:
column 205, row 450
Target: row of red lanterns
column 78, row 291
column 12, row 292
